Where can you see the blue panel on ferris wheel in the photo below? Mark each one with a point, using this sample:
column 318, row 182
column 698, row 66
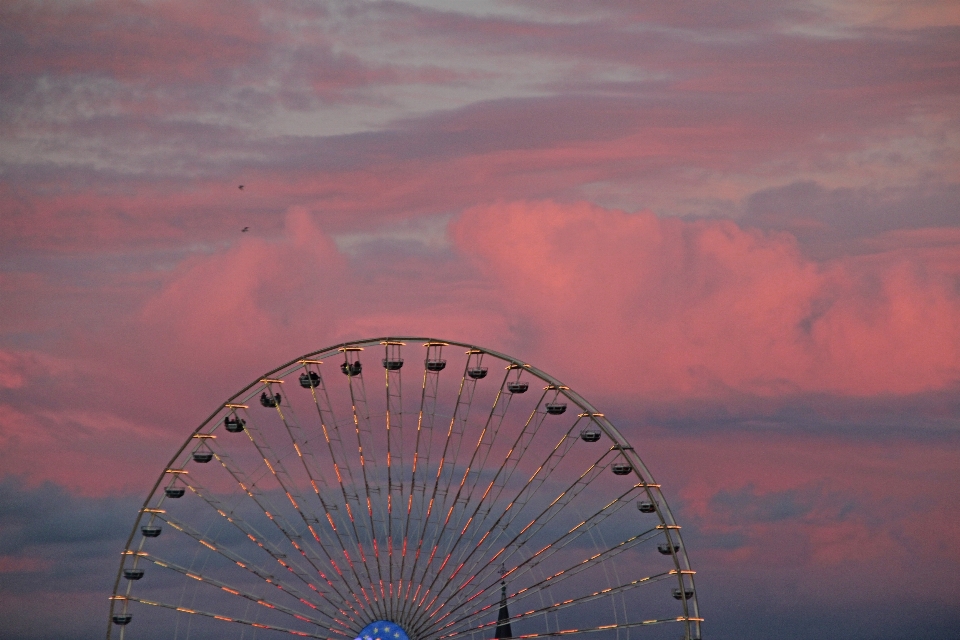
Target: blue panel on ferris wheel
column 382, row 630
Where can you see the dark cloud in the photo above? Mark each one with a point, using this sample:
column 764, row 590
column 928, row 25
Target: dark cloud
column 732, row 224
column 744, row 505
column 826, row 220
column 38, row 520
column 59, row 554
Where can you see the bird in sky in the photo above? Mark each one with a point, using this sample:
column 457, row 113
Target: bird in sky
column 245, row 229
column 240, row 187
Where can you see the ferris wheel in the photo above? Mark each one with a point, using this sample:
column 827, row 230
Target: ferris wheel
column 480, row 499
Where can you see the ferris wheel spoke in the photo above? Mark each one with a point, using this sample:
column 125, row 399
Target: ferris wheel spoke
column 606, row 627
column 361, row 421
column 235, row 590
column 470, row 542
column 572, row 602
column 553, row 579
column 500, row 477
column 258, row 539
column 548, row 582
column 527, row 533
column 526, row 493
column 582, row 528
column 342, row 470
column 278, row 471
column 307, row 458
column 481, row 454
column 425, row 423
column 492, row 493
column 252, row 567
column 305, row 454
column 393, row 383
column 408, row 502
column 437, row 508
column 498, row 530
column 497, row 411
column 604, row 556
column 544, row 518
column 296, row 540
column 420, row 466
column 572, row 535
column 524, row 496
column 229, row 619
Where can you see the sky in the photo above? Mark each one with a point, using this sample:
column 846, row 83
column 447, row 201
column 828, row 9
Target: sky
column 734, row 226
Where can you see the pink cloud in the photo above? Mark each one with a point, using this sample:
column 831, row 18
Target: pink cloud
column 73, row 446
column 836, row 510
column 132, row 304
column 136, row 40
column 627, row 306
column 10, row 377
column 298, row 286
column 616, row 304
column 703, row 308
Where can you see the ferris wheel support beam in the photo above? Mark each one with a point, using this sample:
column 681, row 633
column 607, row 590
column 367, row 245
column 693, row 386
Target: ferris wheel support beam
column 250, row 566
column 236, row 591
column 565, row 604
column 260, row 499
column 282, row 477
column 553, row 579
column 449, row 581
column 487, row 428
column 343, row 471
column 206, row 614
column 455, row 433
column 532, row 561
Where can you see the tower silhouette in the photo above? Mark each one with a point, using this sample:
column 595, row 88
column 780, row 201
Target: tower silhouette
column 503, row 617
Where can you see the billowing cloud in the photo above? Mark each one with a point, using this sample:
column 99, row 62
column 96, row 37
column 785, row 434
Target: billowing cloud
column 628, row 307
column 733, row 225
column 707, row 307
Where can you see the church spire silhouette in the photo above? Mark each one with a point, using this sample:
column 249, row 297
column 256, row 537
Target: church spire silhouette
column 503, row 617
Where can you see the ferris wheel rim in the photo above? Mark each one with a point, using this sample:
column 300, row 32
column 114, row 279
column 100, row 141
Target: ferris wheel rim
column 639, row 469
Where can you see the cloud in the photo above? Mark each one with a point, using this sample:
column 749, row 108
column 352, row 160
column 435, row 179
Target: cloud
column 828, row 222
column 773, row 507
column 47, row 514
column 671, row 315
column 56, row 547
column 705, row 308
column 634, row 309
column 731, row 225
column 299, row 286
column 143, row 40
column 10, row 377
column 217, row 303
column 781, row 520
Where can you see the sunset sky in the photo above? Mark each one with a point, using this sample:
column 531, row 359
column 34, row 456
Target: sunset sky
column 733, row 225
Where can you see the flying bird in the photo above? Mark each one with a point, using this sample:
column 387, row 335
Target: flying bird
column 245, row 229
column 240, row 187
